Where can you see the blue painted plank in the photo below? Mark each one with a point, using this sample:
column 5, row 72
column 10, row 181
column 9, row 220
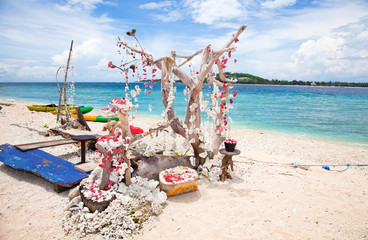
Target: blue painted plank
column 48, row 166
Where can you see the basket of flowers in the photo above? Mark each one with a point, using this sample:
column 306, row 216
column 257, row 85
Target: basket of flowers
column 178, row 180
column 230, row 145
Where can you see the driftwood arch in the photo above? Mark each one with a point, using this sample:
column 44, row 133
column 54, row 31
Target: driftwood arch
column 189, row 128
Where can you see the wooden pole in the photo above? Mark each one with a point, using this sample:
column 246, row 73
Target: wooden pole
column 65, row 79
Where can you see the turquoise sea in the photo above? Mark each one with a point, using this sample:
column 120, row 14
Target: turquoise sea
column 333, row 113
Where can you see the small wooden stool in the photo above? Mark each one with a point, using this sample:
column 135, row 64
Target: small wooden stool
column 226, row 161
column 83, row 139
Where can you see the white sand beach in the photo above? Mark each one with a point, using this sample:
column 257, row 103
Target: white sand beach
column 267, row 198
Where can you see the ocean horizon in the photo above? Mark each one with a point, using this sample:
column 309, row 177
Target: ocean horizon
column 329, row 113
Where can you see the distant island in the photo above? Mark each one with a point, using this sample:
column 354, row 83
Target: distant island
column 246, row 78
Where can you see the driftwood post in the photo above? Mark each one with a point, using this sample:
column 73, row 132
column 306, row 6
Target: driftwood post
column 61, row 95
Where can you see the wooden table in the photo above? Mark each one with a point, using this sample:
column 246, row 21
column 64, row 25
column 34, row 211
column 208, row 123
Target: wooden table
column 83, row 139
column 226, row 161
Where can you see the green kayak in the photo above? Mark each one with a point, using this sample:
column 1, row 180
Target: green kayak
column 53, row 108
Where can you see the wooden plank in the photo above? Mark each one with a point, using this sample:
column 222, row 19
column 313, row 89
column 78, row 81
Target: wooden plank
column 43, row 164
column 34, row 145
column 86, row 167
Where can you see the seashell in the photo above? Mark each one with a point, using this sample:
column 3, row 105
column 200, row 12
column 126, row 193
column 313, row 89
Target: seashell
column 73, row 193
column 76, row 200
column 89, row 216
column 74, row 208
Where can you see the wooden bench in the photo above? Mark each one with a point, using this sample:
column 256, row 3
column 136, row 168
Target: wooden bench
column 58, row 171
column 35, row 145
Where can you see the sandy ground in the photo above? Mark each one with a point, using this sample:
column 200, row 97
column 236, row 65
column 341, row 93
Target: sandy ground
column 267, row 198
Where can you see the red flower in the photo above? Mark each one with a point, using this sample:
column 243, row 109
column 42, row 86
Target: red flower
column 236, row 40
column 110, row 64
column 102, row 164
column 231, row 101
column 146, row 84
column 152, row 81
column 148, row 92
column 229, row 54
column 235, row 93
column 223, row 85
column 224, row 74
column 136, row 130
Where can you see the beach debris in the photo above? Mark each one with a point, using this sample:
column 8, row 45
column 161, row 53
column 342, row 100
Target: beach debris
column 132, row 207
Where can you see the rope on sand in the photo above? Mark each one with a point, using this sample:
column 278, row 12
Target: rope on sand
column 328, row 167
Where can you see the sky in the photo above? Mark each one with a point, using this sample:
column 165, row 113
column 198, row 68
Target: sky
column 324, row 40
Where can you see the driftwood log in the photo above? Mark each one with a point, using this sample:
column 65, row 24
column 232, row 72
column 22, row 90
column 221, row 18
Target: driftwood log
column 150, row 167
column 81, row 119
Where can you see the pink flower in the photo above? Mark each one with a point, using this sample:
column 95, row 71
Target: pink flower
column 235, row 93
column 148, row 92
column 236, row 40
column 231, row 141
column 109, row 64
column 102, row 164
column 235, row 60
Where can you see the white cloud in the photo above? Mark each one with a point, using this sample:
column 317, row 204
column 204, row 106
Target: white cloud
column 156, row 5
column 323, row 48
column 211, row 11
column 87, row 48
column 171, row 16
column 278, row 3
column 101, row 65
column 82, row 4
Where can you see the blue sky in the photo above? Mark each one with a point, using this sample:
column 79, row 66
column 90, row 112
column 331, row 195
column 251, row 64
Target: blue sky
column 323, row 40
